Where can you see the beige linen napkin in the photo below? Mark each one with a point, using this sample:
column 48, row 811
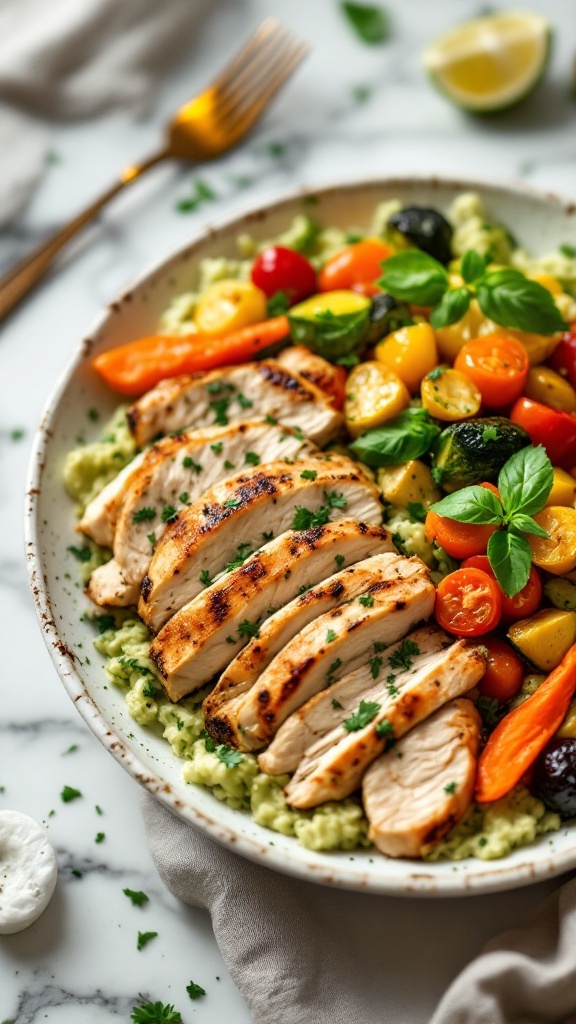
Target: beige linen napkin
column 74, row 59
column 294, row 966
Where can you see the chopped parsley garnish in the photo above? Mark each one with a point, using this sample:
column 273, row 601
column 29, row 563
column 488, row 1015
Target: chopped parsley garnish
column 370, row 22
column 69, row 793
column 100, row 837
column 217, row 447
column 489, row 434
column 366, row 600
column 490, row 711
column 80, row 554
column 367, row 710
column 278, row 304
column 149, row 690
column 201, row 193
column 385, row 728
column 336, row 704
column 209, row 743
column 232, row 503
column 144, row 938
column 268, row 536
column 93, row 415
column 391, row 685
column 168, row 513
column 231, row 639
column 247, row 628
column 136, row 898
column 270, row 420
column 450, row 788
column 331, row 636
column 334, row 500
column 339, row 559
column 379, row 646
column 17, row 434
column 195, row 991
column 567, row 250
column 308, row 474
column 188, row 463
column 220, row 408
column 152, row 539
column 71, row 749
column 331, row 678
column 205, row 578
column 243, row 551
column 229, row 465
column 305, row 519
column 155, row 1013
column 98, row 810
column 375, row 666
column 402, row 658
column 228, row 755
column 435, row 374
column 76, row 873
column 143, row 515
column 183, row 497
column 104, row 623
column 252, row 458
column 243, row 402
column 417, row 511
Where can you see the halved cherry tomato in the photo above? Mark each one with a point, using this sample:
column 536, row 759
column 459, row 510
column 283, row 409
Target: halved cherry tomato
column 468, row 603
column 498, row 365
column 554, row 429
column 504, row 671
column 523, row 604
column 459, row 540
column 359, row 263
column 278, row 269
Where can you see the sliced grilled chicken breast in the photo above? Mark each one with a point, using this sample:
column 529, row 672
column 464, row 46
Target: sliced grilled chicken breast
column 100, row 515
column 333, row 644
column 181, row 469
column 333, row 767
column 351, row 542
column 109, row 586
column 315, row 369
column 415, row 793
column 376, row 680
column 199, row 640
column 223, row 396
column 259, row 504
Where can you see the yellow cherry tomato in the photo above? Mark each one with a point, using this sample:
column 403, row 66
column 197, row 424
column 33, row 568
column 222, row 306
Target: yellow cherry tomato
column 450, row 395
column 557, row 552
column 374, row 394
column 538, row 346
column 410, row 352
column 563, row 489
column 548, row 387
column 229, row 305
column 451, row 339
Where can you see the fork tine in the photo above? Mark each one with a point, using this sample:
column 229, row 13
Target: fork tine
column 237, row 92
column 259, row 39
column 246, row 106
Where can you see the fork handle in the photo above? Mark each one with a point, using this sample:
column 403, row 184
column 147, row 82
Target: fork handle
column 21, row 279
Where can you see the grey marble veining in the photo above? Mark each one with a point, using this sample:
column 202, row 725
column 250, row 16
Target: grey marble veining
column 351, row 111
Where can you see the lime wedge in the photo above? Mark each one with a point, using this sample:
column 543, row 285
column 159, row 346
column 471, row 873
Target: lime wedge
column 491, row 63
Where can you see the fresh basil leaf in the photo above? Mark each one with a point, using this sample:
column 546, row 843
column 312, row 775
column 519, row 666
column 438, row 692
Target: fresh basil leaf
column 405, row 437
column 511, row 560
column 472, row 265
column 525, row 524
column 368, row 21
column 452, row 308
column 525, row 481
column 413, row 276
column 471, row 505
column 512, row 300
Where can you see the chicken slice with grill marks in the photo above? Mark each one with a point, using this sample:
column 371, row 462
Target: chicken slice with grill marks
column 199, row 640
column 415, row 793
column 375, row 680
column 333, row 767
column 334, row 644
column 240, row 511
column 315, row 369
column 351, row 542
column 224, row 396
column 99, row 518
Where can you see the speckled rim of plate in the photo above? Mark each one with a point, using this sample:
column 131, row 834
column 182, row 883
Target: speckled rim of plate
column 359, row 872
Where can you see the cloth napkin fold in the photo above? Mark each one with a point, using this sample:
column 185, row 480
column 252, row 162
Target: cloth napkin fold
column 65, row 59
column 293, row 967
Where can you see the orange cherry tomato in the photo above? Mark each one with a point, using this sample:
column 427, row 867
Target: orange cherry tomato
column 504, row 672
column 468, row 603
column 357, row 264
column 498, row 365
column 367, row 288
column 491, row 487
column 523, row 604
column 459, row 540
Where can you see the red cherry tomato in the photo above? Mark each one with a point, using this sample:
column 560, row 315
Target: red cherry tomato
column 460, row 540
column 523, row 604
column 498, row 365
column 358, row 264
column 555, row 429
column 468, row 603
column 504, row 671
column 277, row 269
column 563, row 359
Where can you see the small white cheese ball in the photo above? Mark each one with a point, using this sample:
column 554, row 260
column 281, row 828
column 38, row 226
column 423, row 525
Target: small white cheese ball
column 28, row 871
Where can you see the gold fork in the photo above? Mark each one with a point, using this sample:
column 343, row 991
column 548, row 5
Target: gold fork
column 204, row 128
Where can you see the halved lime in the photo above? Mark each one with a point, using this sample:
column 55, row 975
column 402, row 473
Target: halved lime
column 491, row 63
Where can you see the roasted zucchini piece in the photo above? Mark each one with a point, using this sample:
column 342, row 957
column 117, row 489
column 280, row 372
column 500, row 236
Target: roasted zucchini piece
column 545, row 637
column 475, row 450
column 333, row 324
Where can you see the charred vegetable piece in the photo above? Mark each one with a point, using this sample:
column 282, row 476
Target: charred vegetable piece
column 475, row 450
column 427, row 229
column 332, row 324
column 555, row 776
column 387, row 315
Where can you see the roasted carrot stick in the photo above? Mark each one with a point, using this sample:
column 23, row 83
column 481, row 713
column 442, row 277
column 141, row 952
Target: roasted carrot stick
column 134, row 368
column 522, row 735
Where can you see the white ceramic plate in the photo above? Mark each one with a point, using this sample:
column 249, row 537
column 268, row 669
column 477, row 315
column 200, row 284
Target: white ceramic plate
column 540, row 222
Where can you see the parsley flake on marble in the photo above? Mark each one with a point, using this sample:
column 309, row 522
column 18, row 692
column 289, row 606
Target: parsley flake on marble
column 137, row 898
column 69, row 793
column 155, row 1013
column 195, row 991
column 144, row 938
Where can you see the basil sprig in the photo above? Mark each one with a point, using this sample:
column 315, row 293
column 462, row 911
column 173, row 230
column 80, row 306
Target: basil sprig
column 405, row 437
column 505, row 296
column 524, row 483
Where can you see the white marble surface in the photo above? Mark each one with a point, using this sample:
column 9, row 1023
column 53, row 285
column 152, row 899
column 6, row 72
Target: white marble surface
column 79, row 962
